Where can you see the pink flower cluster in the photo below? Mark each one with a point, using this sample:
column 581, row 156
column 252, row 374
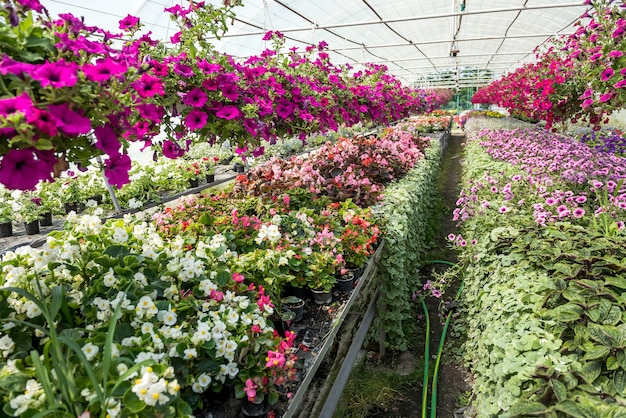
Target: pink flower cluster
column 356, row 168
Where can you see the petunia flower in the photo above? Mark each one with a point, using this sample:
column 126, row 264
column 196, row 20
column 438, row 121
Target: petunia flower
column 103, row 70
column 20, row 170
column 129, row 22
column 69, row 121
column 172, row 149
column 21, row 103
column 607, row 74
column 107, row 140
column 195, row 97
column 196, row 119
column 56, row 74
column 228, row 112
column 116, row 170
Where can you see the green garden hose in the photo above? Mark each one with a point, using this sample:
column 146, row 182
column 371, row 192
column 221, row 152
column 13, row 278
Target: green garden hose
column 426, row 359
column 433, row 400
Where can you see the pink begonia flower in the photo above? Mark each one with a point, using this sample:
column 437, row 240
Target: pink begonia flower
column 20, row 170
column 116, row 170
column 250, row 389
column 238, row 277
column 275, row 359
column 69, row 121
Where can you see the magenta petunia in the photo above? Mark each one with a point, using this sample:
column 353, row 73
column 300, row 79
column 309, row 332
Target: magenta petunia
column 183, row 70
column 579, row 213
column 196, row 119
column 607, row 74
column 195, row 97
column 56, row 74
column 107, row 140
column 19, row 169
column 116, row 170
column 69, row 121
column 103, row 70
column 228, row 112
column 605, row 97
column 32, row 4
column 176, row 38
column 620, row 84
column 148, row 86
column 151, row 112
column 208, row 68
column 284, row 108
column 44, row 122
column 172, row 149
column 258, row 151
column 129, row 22
column 230, row 92
column 10, row 66
column 21, row 103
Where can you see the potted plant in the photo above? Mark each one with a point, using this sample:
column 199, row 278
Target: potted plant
column 30, row 212
column 6, row 218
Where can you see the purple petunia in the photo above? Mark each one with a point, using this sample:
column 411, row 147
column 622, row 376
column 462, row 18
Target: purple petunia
column 116, row 170
column 129, row 22
column 195, row 97
column 172, row 149
column 228, row 112
column 107, row 140
column 56, row 74
column 103, row 70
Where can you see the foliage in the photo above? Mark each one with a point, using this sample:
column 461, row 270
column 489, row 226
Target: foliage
column 543, row 275
column 405, row 213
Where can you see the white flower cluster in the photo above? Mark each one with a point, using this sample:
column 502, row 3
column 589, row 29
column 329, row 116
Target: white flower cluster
column 269, row 233
column 153, row 390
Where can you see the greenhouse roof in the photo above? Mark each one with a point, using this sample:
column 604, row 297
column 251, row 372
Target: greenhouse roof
column 434, row 43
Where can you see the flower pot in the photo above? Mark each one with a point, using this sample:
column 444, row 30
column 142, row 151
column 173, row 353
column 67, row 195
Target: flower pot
column 96, row 198
column 31, row 228
column 239, row 168
column 6, row 229
column 73, row 206
column 253, row 409
column 300, row 292
column 296, row 305
column 345, row 283
column 322, row 297
column 210, row 178
column 46, row 219
column 194, row 183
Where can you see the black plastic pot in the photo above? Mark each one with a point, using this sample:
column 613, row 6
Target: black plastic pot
column 194, row 183
column 46, row 219
column 32, row 228
column 345, row 283
column 210, row 178
column 322, row 297
column 252, row 409
column 6, row 229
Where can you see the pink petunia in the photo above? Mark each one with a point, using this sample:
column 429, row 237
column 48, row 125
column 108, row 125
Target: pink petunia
column 116, row 170
column 228, row 112
column 69, row 121
column 107, row 140
column 607, row 74
column 196, row 119
column 195, row 97
column 129, row 22
column 20, row 170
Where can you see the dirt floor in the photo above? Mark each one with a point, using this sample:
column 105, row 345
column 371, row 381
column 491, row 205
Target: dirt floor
column 453, row 382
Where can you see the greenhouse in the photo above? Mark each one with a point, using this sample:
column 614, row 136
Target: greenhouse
column 272, row 208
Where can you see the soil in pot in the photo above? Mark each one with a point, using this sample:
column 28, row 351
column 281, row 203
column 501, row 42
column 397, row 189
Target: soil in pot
column 322, row 297
column 345, row 283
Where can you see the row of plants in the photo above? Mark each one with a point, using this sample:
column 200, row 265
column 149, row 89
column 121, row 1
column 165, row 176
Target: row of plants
column 71, row 91
column 159, row 316
column 85, row 191
column 541, row 250
column 579, row 77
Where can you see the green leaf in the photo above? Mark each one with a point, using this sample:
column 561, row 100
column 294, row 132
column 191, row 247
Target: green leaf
column 57, row 301
column 559, row 389
column 597, row 352
column 591, row 370
column 132, row 402
column 117, row 251
column 621, row 359
column 619, row 382
column 605, row 334
column 566, row 313
column 615, row 281
column 13, row 382
column 599, row 311
column 611, row 363
column 525, row 407
column 570, row 408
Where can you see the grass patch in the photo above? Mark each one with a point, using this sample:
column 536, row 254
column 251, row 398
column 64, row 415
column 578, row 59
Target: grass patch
column 371, row 386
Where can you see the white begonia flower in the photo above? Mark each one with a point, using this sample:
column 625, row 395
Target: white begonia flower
column 109, row 279
column 87, row 394
column 173, row 387
column 207, row 286
column 122, row 368
column 134, row 203
column 90, row 350
column 168, row 317
column 141, row 279
column 190, row 353
column 204, row 380
column 120, row 235
column 99, row 211
column 114, row 408
column 32, row 310
column 147, row 328
column 197, row 387
column 91, row 203
column 32, row 393
column 7, row 345
column 231, row 369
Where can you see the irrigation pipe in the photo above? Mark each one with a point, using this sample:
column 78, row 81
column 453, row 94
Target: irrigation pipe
column 433, row 399
column 348, row 363
column 426, row 361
